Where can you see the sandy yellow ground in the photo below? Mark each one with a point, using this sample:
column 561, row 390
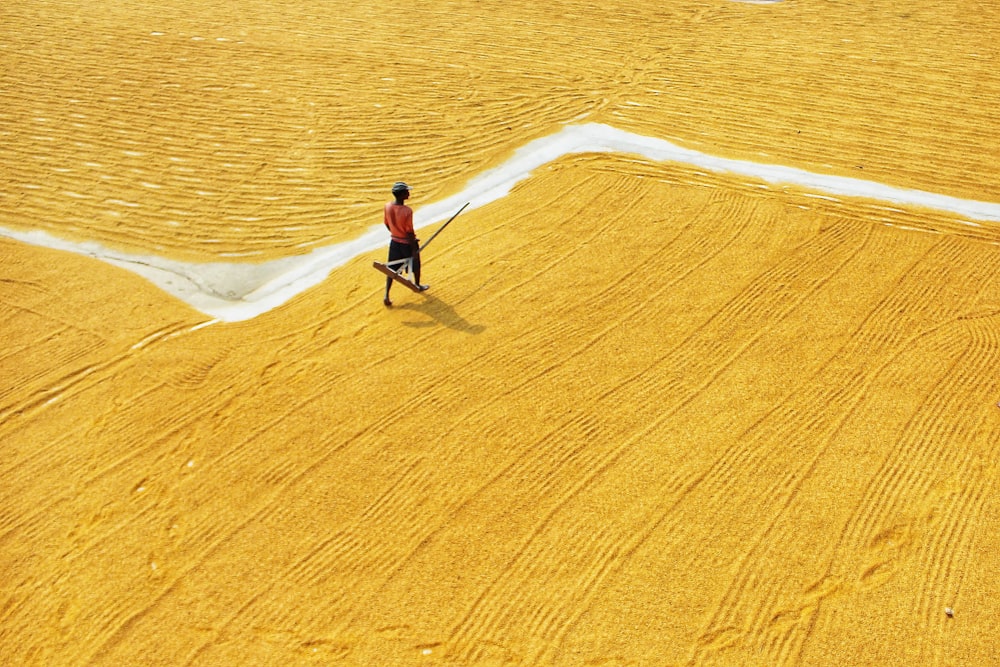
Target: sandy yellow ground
column 646, row 416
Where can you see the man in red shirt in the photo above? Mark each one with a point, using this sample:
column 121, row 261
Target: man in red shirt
column 403, row 243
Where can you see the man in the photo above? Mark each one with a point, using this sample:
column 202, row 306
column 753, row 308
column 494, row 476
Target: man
column 403, row 243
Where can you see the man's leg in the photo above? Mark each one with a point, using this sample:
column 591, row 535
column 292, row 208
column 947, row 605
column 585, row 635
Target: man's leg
column 388, row 284
column 396, row 251
column 415, row 265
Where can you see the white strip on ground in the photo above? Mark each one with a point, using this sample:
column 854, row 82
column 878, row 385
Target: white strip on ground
column 233, row 292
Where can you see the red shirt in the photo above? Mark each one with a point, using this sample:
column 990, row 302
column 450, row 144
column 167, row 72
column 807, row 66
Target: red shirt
column 399, row 221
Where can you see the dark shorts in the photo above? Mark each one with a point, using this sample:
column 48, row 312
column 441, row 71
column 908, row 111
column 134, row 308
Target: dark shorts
column 399, row 250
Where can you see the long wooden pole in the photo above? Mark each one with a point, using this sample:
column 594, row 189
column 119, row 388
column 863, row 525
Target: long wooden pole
column 441, row 228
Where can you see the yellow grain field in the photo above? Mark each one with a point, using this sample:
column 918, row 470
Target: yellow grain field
column 648, row 413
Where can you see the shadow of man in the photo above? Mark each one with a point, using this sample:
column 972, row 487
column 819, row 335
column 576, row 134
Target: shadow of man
column 439, row 312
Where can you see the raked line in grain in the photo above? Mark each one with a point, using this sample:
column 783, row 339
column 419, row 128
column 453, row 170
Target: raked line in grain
column 240, row 291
